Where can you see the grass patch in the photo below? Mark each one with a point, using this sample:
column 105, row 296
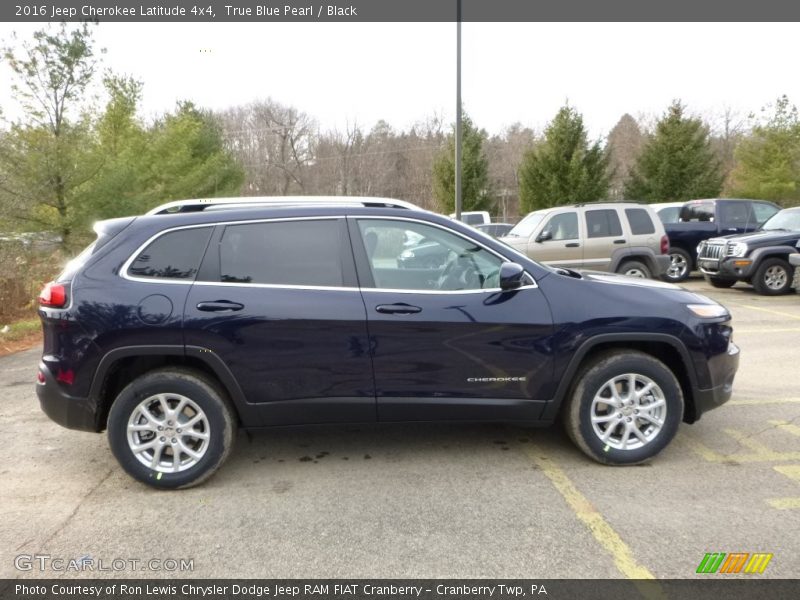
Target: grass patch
column 19, row 330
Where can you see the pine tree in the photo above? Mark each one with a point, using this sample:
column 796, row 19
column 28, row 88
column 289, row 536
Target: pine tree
column 677, row 162
column 564, row 168
column 768, row 161
column 476, row 192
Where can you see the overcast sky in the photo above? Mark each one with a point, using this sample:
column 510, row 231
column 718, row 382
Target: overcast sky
column 343, row 73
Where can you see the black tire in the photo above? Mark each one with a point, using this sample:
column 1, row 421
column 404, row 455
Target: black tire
column 594, row 379
column 675, row 273
column 635, row 268
column 720, row 282
column 203, row 394
column 773, row 277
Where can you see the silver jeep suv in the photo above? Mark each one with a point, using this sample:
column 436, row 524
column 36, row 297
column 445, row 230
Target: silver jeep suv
column 620, row 237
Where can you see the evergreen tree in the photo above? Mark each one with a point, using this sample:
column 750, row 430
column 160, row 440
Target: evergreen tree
column 768, row 161
column 564, row 168
column 677, row 162
column 476, row 193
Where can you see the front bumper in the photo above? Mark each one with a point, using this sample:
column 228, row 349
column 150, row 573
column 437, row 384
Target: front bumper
column 68, row 411
column 722, row 370
column 727, row 268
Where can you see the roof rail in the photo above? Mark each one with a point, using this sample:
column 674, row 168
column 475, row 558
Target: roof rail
column 201, row 204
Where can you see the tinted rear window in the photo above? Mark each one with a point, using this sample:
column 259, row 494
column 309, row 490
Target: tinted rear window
column 640, row 221
column 697, row 211
column 174, row 255
column 282, row 253
column 602, row 223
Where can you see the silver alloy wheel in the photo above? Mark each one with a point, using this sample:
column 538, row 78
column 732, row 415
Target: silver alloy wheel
column 168, row 433
column 628, row 411
column 677, row 266
column 775, row 277
column 635, row 272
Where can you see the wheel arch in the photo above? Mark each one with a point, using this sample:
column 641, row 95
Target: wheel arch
column 122, row 365
column 666, row 348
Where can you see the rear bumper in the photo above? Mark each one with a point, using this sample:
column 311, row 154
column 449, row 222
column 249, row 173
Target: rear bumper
column 68, row 411
column 662, row 264
column 722, row 370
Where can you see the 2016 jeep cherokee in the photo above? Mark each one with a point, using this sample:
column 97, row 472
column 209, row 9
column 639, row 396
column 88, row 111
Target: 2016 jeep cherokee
column 176, row 327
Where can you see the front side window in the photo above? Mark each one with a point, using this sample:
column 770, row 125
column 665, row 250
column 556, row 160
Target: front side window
column 563, row 226
column 697, row 211
column 174, row 255
column 439, row 260
column 603, row 223
column 303, row 253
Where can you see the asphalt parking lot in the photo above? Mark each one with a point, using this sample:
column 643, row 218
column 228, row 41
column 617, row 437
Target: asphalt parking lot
column 434, row 500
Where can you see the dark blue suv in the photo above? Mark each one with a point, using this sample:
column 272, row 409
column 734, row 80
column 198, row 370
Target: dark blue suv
column 174, row 328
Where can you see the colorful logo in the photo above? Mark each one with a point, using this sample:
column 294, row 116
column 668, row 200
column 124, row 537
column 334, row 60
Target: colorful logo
column 735, row 562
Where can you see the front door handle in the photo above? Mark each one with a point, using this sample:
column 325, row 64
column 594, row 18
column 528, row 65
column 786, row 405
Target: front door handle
column 619, row 241
column 573, row 245
column 400, row 308
column 219, row 306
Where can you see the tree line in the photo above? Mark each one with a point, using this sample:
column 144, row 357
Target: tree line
column 70, row 160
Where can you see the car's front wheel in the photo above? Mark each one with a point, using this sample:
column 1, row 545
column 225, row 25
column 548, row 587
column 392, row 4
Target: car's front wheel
column 171, row 428
column 773, row 277
column 624, row 408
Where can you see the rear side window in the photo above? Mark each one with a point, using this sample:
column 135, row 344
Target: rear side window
column 697, row 211
column 174, row 255
column 303, row 253
column 640, row 221
column 602, row 223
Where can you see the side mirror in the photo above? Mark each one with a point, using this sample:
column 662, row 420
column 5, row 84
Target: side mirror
column 511, row 276
column 544, row 236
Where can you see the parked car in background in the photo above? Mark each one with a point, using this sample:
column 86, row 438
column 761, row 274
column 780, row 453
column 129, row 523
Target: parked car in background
column 177, row 327
column 621, row 237
column 668, row 212
column 761, row 258
column 495, row 229
column 474, row 217
column 704, row 219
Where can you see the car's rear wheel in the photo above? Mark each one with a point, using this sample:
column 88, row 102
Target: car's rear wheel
column 624, row 408
column 680, row 265
column 773, row 277
column 720, row 282
column 171, row 428
column 634, row 268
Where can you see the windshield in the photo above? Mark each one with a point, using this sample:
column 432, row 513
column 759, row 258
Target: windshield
column 786, row 219
column 526, row 227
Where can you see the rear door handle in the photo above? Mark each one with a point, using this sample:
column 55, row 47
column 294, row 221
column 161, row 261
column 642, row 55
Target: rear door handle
column 399, row 308
column 619, row 241
column 573, row 245
column 219, row 306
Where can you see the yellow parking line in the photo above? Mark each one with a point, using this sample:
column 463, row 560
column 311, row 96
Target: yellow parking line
column 747, row 402
column 760, row 452
column 583, row 509
column 766, row 310
column 787, row 427
column 791, row 471
column 784, row 503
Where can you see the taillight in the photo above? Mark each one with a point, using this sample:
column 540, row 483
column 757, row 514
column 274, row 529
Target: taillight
column 54, row 295
column 664, row 244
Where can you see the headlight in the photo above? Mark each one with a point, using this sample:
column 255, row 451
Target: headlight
column 737, row 249
column 407, row 254
column 708, row 311
column 700, row 247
